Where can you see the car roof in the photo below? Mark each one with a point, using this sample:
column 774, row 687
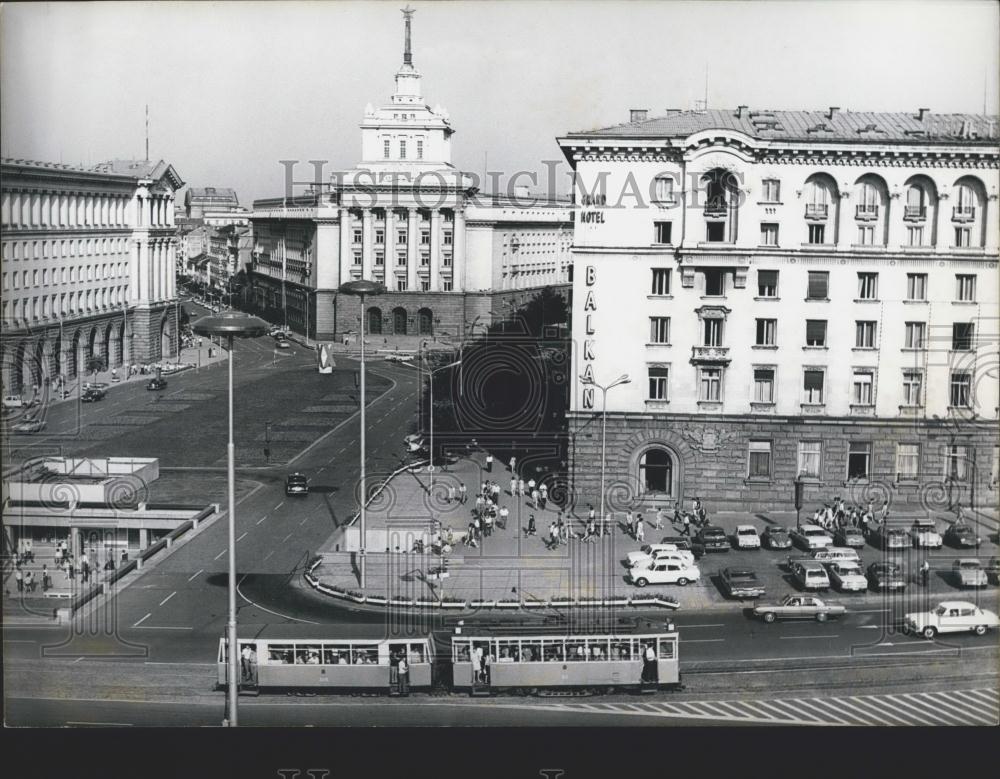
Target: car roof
column 811, row 526
column 746, row 527
column 740, row 571
column 810, row 564
column 957, row 604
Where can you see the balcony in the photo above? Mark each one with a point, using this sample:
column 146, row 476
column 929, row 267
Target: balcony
column 914, row 213
column 867, row 212
column 817, row 211
column 716, row 210
column 710, row 355
column 963, row 213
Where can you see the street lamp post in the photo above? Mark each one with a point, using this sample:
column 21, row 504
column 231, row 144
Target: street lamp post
column 232, row 325
column 623, row 379
column 362, row 287
column 430, row 464
column 799, row 488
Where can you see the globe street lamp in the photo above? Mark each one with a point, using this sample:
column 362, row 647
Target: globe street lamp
column 362, row 287
column 232, row 325
column 430, row 465
column 623, row 379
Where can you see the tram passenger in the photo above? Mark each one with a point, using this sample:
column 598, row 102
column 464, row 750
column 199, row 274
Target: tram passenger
column 648, row 663
column 404, row 674
column 505, row 656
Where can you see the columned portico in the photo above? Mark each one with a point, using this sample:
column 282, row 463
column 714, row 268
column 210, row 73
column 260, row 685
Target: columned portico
column 435, row 249
column 412, row 247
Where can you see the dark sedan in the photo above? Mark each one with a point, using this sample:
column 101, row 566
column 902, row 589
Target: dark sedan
column 849, row 536
column 712, row 539
column 93, row 394
column 886, row 576
column 296, row 484
column 741, row 583
column 961, row 536
column 776, row 537
column 156, row 384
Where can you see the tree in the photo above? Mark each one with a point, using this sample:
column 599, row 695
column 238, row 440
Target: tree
column 95, row 364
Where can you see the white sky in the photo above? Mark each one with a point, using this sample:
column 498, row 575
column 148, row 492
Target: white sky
column 234, row 87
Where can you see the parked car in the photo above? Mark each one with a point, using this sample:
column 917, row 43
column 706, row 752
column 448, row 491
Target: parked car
column 831, row 554
column 283, row 344
column 849, row 536
column 811, row 536
column 712, row 539
column 399, row 358
column 961, row 536
column 741, row 583
column 993, row 570
column 777, row 537
column 679, row 542
column 968, row 572
column 886, row 576
column 93, row 394
column 663, row 572
column 156, row 384
column 746, row 537
column 296, row 484
column 924, row 534
column 30, row 425
column 956, row 616
column 14, row 401
column 847, row 577
column 810, row 575
column 799, row 607
column 651, row 552
column 892, row 539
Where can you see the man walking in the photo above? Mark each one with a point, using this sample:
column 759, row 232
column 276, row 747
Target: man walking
column 659, row 518
column 489, row 463
column 553, row 535
column 531, row 530
column 640, row 529
column 520, row 487
column 462, row 496
column 495, row 492
column 504, row 513
column 513, row 463
column 543, row 495
column 19, row 578
column 686, row 529
column 513, row 486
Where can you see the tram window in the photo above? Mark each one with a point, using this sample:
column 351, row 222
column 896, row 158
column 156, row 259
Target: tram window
column 666, row 649
column 553, row 651
column 531, row 651
column 336, row 654
column 598, row 649
column 307, row 654
column 417, row 653
column 508, row 651
column 365, row 655
column 621, row 650
column 282, row 654
column 460, row 650
column 576, row 650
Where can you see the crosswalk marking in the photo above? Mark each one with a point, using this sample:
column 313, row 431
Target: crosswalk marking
column 953, row 707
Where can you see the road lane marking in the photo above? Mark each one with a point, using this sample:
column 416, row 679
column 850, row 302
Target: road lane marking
column 797, row 637
column 920, row 715
column 279, row 505
column 286, row 538
column 268, row 555
column 164, row 627
column 99, row 724
column 242, row 536
column 714, row 625
column 976, row 703
column 948, row 704
column 194, row 575
column 701, row 640
column 262, row 608
column 168, row 597
column 304, row 521
column 142, row 620
column 222, row 553
column 262, row 519
column 77, row 660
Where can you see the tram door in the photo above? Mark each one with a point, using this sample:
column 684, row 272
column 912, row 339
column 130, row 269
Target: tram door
column 650, row 670
column 481, row 660
column 398, row 670
column 248, row 664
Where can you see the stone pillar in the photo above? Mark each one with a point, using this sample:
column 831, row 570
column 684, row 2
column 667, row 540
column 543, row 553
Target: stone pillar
column 944, row 234
column 75, row 548
column 897, row 228
column 143, row 538
column 390, row 249
column 412, row 248
column 346, row 258
column 458, row 251
column 435, row 249
column 367, row 243
column 845, row 227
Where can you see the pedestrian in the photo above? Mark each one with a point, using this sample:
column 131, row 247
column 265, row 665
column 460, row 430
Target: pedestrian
column 489, row 463
column 488, row 524
column 553, row 535
column 534, row 499
column 245, row 662
column 629, row 523
column 46, row 579
column 451, row 493
column 520, row 487
column 29, row 581
column 686, row 529
column 925, row 572
column 496, row 494
column 504, row 513
column 563, row 530
column 640, row 529
column 124, row 556
column 649, row 664
column 470, row 536
column 531, row 486
column 659, row 518
column 480, row 504
column 531, row 530
column 404, row 675
column 513, row 464
column 543, row 495
column 70, row 569
column 513, row 486
column 19, row 578
column 885, row 511
column 462, row 493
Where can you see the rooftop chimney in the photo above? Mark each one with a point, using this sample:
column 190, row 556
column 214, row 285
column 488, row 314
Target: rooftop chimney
column 638, row 114
column 922, row 112
column 740, row 110
column 833, row 111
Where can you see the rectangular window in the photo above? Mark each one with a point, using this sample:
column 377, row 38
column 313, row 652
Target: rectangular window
column 401, row 259
column 914, row 236
column 446, row 285
column 713, row 332
column 771, row 191
column 766, row 332
column 357, row 235
column 809, row 458
column 819, row 285
column 767, row 283
column 401, row 238
column 916, row 286
column 817, row 234
column 402, row 150
column 446, row 260
column 425, row 285
column 763, row 385
column 867, row 286
column 357, row 257
column 659, row 329
column 401, row 284
column 711, row 384
column 447, row 237
column 907, row 461
column 961, row 336
column 863, row 393
column 864, row 335
column 768, row 234
column 714, row 283
column 380, row 237
column 664, row 190
column 425, row 237
column 965, row 288
column 963, row 237
column 812, row 386
column 420, row 149
column 425, row 260
column 380, row 258
column 658, row 377
column 385, row 148
column 662, row 231
column 661, row 281
column 866, row 235
column 916, row 335
column 759, row 466
column 912, row 387
column 815, row 332
column 956, row 462
column 961, row 389
column 859, row 460
column 715, row 232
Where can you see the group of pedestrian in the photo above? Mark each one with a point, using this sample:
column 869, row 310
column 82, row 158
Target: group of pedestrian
column 836, row 514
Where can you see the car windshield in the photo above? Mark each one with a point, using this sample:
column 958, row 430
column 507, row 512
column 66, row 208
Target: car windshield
column 747, row 531
column 969, row 565
column 743, row 575
column 851, row 531
column 714, row 531
column 647, row 549
column 814, row 531
column 848, row 570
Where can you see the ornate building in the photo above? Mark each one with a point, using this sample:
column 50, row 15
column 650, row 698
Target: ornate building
column 791, row 294
column 406, row 217
column 88, row 267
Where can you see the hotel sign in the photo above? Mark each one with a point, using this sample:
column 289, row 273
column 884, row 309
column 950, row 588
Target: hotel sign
column 589, row 307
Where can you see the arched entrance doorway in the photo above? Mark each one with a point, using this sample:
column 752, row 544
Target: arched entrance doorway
column 375, row 320
column 658, row 472
column 425, row 318
column 73, row 356
column 399, row 321
column 91, row 350
column 113, row 340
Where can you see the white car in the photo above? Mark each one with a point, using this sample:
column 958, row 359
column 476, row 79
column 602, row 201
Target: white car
column 746, row 537
column 924, row 534
column 811, row 537
column 399, row 358
column 13, row 401
column 955, row 616
column 663, row 572
column 847, row 577
column 651, row 552
column 969, row 572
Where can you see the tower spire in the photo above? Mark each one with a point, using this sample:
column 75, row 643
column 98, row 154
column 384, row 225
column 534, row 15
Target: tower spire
column 407, row 54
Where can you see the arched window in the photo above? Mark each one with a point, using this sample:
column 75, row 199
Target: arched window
column 399, row 321
column 656, row 471
column 426, row 321
column 375, row 320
